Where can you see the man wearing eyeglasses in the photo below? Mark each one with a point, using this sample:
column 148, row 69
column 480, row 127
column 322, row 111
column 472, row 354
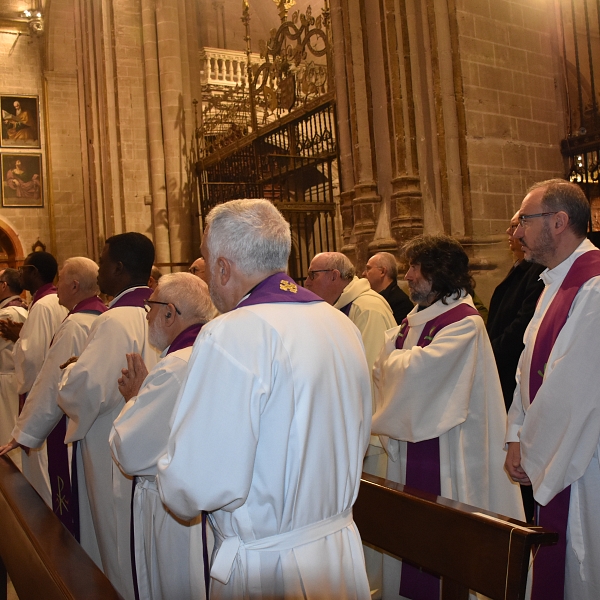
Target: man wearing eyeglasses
column 554, row 422
column 198, row 268
column 169, row 557
column 14, row 309
column 90, row 397
column 45, row 316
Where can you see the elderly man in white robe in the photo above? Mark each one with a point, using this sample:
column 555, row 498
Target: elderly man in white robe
column 440, row 410
column 170, row 557
column 42, row 419
column 554, row 422
column 32, row 343
column 12, row 308
column 90, row 397
column 279, row 385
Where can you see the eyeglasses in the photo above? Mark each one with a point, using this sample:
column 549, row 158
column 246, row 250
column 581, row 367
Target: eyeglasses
column 311, row 274
column 148, row 307
column 512, row 228
column 23, row 267
column 524, row 218
column 193, row 270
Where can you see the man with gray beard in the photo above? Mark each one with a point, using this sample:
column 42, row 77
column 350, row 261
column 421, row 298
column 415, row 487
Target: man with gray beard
column 165, row 548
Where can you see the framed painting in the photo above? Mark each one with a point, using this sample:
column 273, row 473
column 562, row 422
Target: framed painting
column 20, row 121
column 22, row 180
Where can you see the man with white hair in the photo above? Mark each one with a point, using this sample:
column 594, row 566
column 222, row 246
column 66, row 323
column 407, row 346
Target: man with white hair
column 382, row 272
column 279, row 383
column 169, row 556
column 42, row 419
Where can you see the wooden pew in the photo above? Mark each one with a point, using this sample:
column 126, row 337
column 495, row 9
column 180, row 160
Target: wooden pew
column 40, row 555
column 469, row 547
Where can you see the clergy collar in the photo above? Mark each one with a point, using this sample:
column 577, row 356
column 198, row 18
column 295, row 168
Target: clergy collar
column 125, row 291
column 560, row 271
column 418, row 317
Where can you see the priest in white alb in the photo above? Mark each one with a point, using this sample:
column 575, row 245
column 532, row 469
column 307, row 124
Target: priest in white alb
column 171, row 556
column 13, row 309
column 90, row 397
column 272, row 423
column 42, row 419
column 554, row 422
column 45, row 316
column 439, row 406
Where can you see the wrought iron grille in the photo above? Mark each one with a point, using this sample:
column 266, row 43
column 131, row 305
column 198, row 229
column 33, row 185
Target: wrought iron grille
column 294, row 165
column 580, row 21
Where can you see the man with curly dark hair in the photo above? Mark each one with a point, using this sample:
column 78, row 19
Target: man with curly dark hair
column 438, row 398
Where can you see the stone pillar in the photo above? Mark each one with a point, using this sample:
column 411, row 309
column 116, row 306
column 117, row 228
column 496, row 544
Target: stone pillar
column 174, row 88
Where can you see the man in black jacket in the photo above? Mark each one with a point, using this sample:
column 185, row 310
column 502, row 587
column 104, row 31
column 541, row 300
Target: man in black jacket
column 511, row 308
column 382, row 273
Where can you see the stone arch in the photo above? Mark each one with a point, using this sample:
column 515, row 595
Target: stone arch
column 11, row 249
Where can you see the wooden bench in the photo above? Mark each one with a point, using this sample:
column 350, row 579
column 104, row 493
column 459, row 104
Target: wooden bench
column 40, row 555
column 470, row 548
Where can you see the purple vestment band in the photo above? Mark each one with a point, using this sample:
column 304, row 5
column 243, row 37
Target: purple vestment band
column 64, row 493
column 346, row 309
column 45, row 290
column 549, row 572
column 135, row 297
column 17, row 302
column 423, row 458
column 278, row 288
column 186, row 338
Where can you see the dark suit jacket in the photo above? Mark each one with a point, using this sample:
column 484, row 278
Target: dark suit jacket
column 511, row 308
column 398, row 301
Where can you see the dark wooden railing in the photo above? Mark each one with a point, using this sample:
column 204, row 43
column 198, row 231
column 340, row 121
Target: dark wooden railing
column 40, row 555
column 469, row 547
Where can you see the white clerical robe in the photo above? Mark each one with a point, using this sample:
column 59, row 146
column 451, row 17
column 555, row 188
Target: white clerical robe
column 90, row 397
column 45, row 317
column 449, row 390
column 9, row 397
column 560, row 431
column 41, row 412
column 282, row 391
column 168, row 552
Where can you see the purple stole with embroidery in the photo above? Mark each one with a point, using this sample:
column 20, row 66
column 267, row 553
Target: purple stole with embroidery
column 44, row 290
column 549, row 572
column 65, row 500
column 17, row 302
column 278, row 288
column 423, row 458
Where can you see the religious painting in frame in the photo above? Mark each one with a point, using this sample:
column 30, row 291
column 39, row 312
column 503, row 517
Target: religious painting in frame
column 20, row 121
column 22, row 180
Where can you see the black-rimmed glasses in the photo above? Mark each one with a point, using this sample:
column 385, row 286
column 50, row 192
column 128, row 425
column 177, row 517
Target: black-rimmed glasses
column 524, row 218
column 311, row 274
column 148, row 305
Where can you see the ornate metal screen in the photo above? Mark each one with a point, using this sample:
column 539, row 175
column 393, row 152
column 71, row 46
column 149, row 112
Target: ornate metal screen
column 269, row 130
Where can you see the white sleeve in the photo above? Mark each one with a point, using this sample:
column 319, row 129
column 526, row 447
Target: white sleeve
column 41, row 413
column 424, row 392
column 141, row 431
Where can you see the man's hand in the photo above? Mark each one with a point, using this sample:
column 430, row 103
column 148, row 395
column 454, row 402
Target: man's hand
column 10, row 330
column 11, row 446
column 132, row 377
column 513, row 464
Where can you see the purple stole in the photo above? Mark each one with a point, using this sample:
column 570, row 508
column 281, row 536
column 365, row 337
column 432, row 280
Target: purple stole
column 65, row 500
column 18, row 302
column 186, row 338
column 549, row 572
column 45, row 290
column 135, row 297
column 278, row 288
column 423, row 458
column 346, row 309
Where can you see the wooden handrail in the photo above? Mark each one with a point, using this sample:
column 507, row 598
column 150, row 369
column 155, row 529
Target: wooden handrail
column 469, row 547
column 41, row 556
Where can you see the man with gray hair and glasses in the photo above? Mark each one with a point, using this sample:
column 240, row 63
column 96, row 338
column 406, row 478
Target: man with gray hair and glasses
column 279, row 384
column 169, row 553
column 554, row 422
